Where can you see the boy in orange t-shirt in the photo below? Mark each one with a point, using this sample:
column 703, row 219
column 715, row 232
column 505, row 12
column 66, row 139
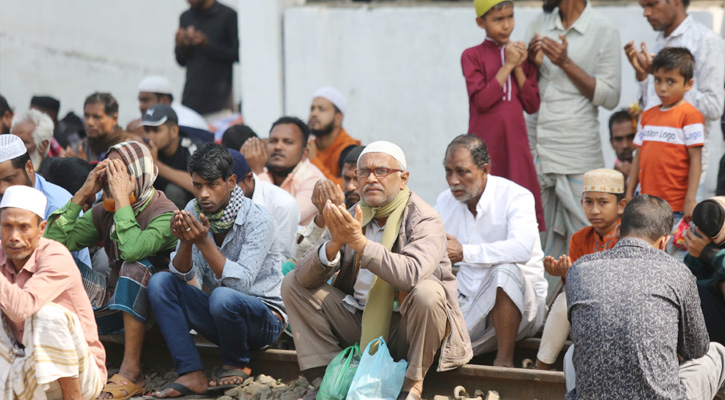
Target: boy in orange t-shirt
column 668, row 162
column 603, row 202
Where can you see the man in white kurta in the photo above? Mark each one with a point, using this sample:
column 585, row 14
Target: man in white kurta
column 493, row 238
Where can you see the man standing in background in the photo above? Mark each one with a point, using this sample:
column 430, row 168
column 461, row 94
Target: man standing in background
column 207, row 44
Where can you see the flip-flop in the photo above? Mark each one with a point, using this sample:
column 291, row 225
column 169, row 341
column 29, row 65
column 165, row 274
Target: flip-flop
column 117, row 384
column 185, row 392
column 221, row 373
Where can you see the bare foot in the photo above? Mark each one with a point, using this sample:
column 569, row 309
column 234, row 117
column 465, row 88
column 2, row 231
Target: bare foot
column 196, row 381
column 503, row 363
column 134, row 376
column 412, row 386
column 231, row 380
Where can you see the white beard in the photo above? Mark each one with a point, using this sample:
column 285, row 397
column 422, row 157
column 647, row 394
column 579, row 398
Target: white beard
column 36, row 159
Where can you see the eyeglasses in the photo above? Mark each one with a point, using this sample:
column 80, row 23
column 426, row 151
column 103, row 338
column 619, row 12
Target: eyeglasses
column 629, row 137
column 379, row 172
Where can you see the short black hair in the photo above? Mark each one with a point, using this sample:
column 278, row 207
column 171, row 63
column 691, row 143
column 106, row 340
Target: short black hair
column 675, row 58
column 235, row 136
column 647, row 217
column 4, row 106
column 211, row 161
column 619, row 116
column 472, row 143
column 110, row 105
column 304, row 130
column 69, row 173
column 20, row 161
column 686, row 3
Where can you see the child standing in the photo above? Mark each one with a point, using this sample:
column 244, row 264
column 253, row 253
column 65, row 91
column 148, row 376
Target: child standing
column 668, row 161
column 603, row 202
column 501, row 84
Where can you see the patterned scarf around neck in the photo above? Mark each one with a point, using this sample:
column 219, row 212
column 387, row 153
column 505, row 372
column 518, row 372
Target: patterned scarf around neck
column 223, row 220
column 379, row 306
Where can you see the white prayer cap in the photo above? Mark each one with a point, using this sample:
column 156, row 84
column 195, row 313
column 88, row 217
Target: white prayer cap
column 26, row 198
column 155, row 84
column 388, row 148
column 335, row 97
column 11, row 147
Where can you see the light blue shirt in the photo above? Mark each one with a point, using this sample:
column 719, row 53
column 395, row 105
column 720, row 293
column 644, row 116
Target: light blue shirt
column 253, row 258
column 58, row 198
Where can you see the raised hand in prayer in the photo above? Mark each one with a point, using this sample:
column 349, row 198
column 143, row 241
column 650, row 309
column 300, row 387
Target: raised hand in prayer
column 513, row 55
column 556, row 267
column 535, row 52
column 555, row 51
column 181, row 38
column 641, row 60
column 344, row 228
column 189, row 229
column 311, row 149
column 521, row 48
column 695, row 242
column 92, row 185
column 196, row 37
column 325, row 190
column 255, row 152
column 455, row 249
column 120, row 183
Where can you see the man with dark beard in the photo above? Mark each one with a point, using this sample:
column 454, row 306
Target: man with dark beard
column 328, row 190
column 100, row 120
column 576, row 50
column 331, row 143
column 621, row 137
column 287, row 165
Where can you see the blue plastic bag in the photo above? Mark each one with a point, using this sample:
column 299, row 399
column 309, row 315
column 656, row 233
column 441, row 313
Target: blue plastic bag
column 377, row 376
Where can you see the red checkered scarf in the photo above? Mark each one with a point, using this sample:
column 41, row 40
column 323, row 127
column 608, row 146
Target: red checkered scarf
column 141, row 166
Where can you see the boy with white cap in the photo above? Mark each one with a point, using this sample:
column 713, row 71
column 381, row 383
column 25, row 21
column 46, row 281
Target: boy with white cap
column 49, row 339
column 331, row 143
column 603, row 202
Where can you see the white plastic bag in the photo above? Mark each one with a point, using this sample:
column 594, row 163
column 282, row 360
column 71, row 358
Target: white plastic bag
column 377, row 376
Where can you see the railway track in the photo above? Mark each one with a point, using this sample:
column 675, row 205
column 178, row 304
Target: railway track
column 511, row 383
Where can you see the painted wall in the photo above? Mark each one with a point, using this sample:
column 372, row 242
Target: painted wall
column 71, row 48
column 400, row 70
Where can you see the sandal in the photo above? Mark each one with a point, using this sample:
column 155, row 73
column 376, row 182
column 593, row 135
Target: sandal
column 221, row 373
column 184, row 392
column 117, row 385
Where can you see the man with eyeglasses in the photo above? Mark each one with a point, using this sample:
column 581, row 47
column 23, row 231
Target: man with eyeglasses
column 394, row 278
column 493, row 237
column 621, row 136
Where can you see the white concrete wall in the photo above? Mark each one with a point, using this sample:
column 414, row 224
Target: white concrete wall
column 71, row 48
column 400, row 70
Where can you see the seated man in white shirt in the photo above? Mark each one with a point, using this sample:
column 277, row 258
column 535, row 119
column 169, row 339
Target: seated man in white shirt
column 280, row 204
column 494, row 239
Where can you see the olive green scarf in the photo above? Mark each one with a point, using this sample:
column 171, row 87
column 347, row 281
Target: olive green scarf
column 379, row 306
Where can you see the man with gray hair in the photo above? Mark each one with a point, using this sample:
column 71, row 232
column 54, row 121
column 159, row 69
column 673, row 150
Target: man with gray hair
column 492, row 235
column 394, row 279
column 636, row 321
column 36, row 130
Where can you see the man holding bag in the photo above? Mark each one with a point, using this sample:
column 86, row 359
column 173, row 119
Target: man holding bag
column 394, row 279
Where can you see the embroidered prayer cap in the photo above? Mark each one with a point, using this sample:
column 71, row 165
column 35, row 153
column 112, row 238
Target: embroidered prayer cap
column 388, row 148
column 155, row 84
column 335, row 97
column 241, row 166
column 26, row 198
column 11, row 147
column 482, row 6
column 603, row 180
column 709, row 216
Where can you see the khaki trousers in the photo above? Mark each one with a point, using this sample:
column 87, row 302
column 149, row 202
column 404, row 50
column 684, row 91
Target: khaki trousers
column 322, row 326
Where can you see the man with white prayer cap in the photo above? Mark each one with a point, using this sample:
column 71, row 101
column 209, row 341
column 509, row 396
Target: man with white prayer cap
column 155, row 89
column 45, row 310
column 394, row 278
column 16, row 168
column 331, row 143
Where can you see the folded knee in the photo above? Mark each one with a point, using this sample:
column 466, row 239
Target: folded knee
column 289, row 285
column 429, row 295
column 221, row 302
column 161, row 283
